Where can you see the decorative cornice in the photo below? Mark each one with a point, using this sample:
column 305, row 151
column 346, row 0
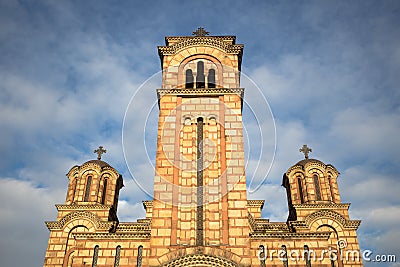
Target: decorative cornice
column 265, row 227
column 227, row 47
column 144, row 221
column 322, row 206
column 289, row 235
column 353, row 224
column 252, row 221
column 348, row 224
column 112, row 235
column 147, row 204
column 174, row 39
column 83, row 207
column 201, row 91
column 84, row 215
column 256, row 203
column 133, row 227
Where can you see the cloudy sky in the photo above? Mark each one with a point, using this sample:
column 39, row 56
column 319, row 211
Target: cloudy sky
column 329, row 70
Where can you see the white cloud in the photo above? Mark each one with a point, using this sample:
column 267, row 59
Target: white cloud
column 24, row 209
column 68, row 72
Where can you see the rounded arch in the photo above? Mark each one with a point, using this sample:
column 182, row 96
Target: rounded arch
column 316, row 171
column 70, row 244
column 334, row 243
column 83, row 218
column 200, row 260
column 90, row 172
column 182, row 65
column 326, row 217
column 212, row 117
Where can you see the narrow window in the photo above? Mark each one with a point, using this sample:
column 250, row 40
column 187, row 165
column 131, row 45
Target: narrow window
column 211, row 78
column 95, row 255
column 103, row 196
column 87, row 192
column 331, row 188
column 300, row 189
column 117, row 256
column 189, row 79
column 317, row 187
column 199, row 223
column 140, row 256
column 116, row 194
column 284, row 256
column 261, row 255
column 200, row 78
column 307, row 256
column 75, row 182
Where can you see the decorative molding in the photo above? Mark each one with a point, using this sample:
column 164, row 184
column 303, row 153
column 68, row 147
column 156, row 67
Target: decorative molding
column 200, row 260
column 147, row 204
column 306, row 163
column 144, row 221
column 256, row 203
column 236, row 49
column 201, row 255
column 252, row 221
column 289, row 235
column 133, row 227
column 349, row 224
column 201, row 91
column 174, row 39
column 85, row 215
column 112, row 235
column 97, row 165
column 322, row 206
column 83, row 207
column 264, row 227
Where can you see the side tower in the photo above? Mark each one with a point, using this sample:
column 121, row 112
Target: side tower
column 90, row 207
column 199, row 210
column 315, row 206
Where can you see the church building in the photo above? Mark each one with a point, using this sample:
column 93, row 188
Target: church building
column 200, row 214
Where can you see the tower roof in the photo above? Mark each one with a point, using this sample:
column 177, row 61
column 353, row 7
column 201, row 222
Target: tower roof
column 303, row 164
column 173, row 44
column 95, row 163
column 101, row 163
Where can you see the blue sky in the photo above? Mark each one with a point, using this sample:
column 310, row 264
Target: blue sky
column 329, row 70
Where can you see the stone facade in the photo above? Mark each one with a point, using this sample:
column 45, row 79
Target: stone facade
column 200, row 214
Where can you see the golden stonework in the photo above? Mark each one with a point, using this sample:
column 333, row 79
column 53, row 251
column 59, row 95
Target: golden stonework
column 199, row 214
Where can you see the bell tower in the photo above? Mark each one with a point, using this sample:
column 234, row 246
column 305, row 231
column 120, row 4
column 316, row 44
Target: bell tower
column 200, row 185
column 90, row 206
column 200, row 214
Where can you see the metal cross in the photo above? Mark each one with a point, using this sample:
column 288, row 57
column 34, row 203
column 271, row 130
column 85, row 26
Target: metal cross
column 305, row 149
column 100, row 152
column 200, row 32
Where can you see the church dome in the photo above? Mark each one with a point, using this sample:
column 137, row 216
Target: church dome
column 305, row 161
column 308, row 163
column 100, row 163
column 311, row 163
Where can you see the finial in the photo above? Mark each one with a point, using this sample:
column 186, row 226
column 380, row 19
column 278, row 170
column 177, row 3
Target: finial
column 305, row 149
column 100, row 152
column 200, row 32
